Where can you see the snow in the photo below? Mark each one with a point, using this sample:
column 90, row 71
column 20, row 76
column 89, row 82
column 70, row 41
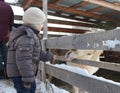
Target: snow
column 16, row 12
column 83, row 72
column 11, row 1
column 111, row 43
column 117, row 27
column 6, row 86
column 51, row 89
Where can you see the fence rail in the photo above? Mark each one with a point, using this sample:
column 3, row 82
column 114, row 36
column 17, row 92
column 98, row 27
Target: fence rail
column 91, row 84
column 101, row 64
column 92, row 41
column 109, row 40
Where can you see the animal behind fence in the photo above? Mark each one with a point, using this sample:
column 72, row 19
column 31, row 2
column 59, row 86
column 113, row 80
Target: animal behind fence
column 86, row 55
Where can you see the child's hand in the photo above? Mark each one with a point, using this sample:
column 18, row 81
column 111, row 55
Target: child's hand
column 26, row 85
column 53, row 60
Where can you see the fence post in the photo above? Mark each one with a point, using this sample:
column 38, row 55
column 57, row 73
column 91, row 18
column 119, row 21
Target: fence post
column 45, row 35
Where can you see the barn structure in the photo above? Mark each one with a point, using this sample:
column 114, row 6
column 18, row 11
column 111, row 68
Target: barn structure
column 103, row 14
column 76, row 17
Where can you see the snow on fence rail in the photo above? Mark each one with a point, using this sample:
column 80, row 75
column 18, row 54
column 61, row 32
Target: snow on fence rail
column 88, row 82
column 109, row 40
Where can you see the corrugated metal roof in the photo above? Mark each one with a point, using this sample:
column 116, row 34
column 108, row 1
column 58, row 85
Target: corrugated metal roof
column 68, row 3
column 93, row 11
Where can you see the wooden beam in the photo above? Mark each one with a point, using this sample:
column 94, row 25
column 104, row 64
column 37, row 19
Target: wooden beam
column 66, row 30
column 117, row 3
column 45, row 26
column 113, row 14
column 87, row 82
column 54, row 1
column 16, row 17
column 74, row 6
column 79, row 12
column 27, row 3
column 104, row 4
column 74, row 18
column 102, row 64
column 70, row 23
column 95, row 41
column 97, row 9
column 79, row 4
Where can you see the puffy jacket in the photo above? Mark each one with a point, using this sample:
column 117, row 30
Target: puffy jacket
column 24, row 53
column 6, row 20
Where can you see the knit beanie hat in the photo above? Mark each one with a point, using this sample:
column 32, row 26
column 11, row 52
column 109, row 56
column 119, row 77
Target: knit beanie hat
column 34, row 16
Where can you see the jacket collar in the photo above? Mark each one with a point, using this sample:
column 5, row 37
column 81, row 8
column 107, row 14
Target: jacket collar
column 34, row 30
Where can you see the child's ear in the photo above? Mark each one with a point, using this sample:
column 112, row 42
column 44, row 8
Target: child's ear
column 40, row 27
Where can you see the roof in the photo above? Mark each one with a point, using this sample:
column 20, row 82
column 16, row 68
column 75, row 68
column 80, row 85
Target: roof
column 92, row 13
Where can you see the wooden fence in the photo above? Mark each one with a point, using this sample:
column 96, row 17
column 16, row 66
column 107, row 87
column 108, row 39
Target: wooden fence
column 109, row 40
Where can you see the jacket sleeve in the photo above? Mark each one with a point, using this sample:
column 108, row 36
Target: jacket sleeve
column 24, row 62
column 46, row 56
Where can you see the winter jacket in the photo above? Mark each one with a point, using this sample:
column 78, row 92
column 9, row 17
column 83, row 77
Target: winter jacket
column 24, row 53
column 6, row 20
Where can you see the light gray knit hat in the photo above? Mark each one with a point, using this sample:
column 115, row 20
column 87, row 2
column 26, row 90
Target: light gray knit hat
column 34, row 16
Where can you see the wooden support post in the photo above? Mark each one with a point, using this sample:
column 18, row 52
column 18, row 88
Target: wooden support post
column 45, row 27
column 45, row 35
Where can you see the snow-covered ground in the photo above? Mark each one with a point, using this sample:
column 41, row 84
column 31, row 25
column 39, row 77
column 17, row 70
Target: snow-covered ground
column 49, row 88
column 6, row 86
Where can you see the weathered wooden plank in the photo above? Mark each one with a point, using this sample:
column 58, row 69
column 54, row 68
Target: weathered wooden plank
column 67, row 30
column 74, row 18
column 109, row 40
column 105, row 65
column 70, row 23
column 101, row 64
column 90, row 84
column 16, row 17
column 27, row 3
column 105, row 4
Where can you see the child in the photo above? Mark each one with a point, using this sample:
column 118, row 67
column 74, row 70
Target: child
column 25, row 51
